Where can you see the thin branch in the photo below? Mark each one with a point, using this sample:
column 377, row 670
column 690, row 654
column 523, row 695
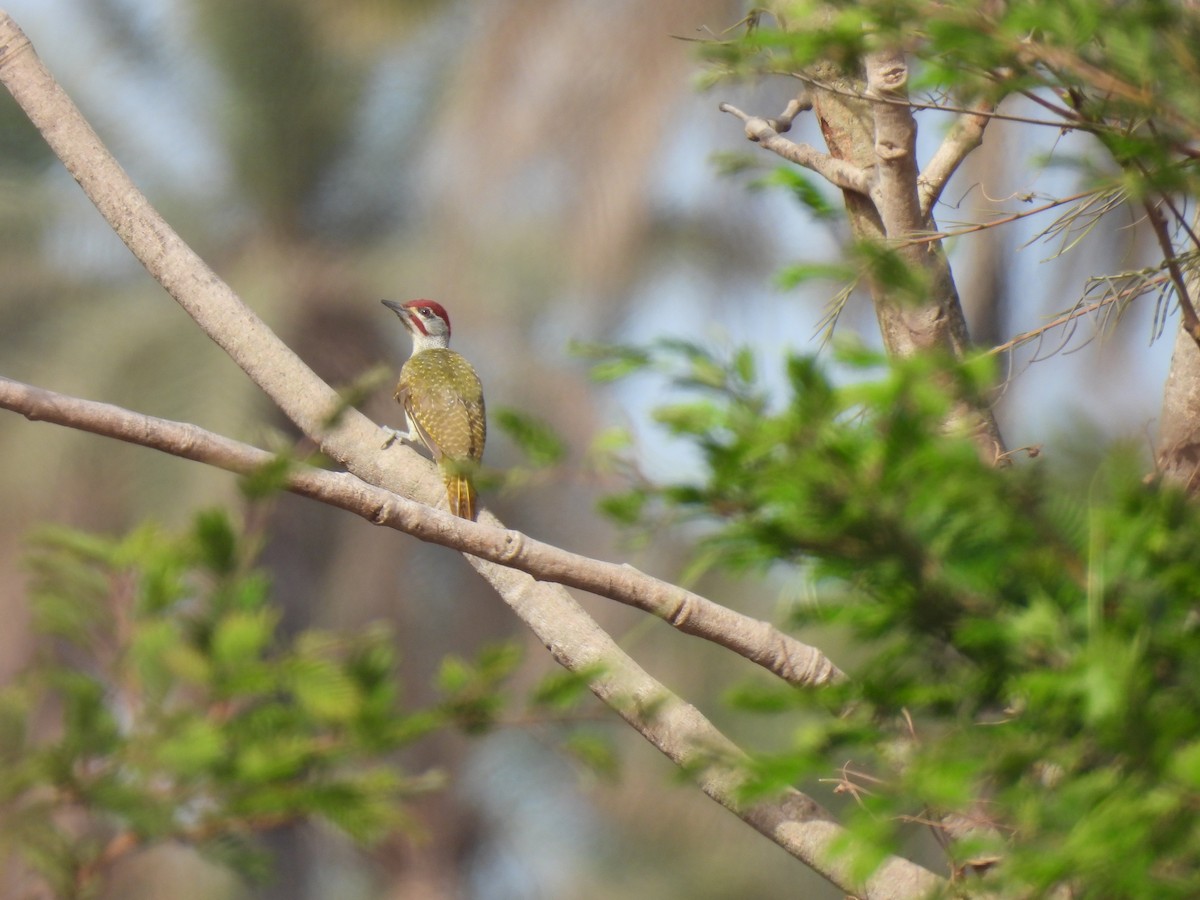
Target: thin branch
column 801, row 103
column 914, row 105
column 758, row 641
column 1076, row 223
column 963, row 137
column 1190, row 323
column 837, row 172
column 1078, row 311
column 676, row 728
column 1070, row 119
column 1182, row 222
column 947, row 233
column 1102, row 81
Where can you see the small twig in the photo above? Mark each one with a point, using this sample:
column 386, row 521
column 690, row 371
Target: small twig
column 1071, row 118
column 1077, row 312
column 916, row 105
column 947, row 233
column 798, row 104
column 1181, row 220
column 1191, row 323
column 837, row 172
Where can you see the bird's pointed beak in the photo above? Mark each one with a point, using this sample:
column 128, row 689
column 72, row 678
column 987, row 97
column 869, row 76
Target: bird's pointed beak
column 398, row 308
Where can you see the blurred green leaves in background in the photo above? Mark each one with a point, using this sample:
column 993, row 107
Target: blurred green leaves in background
column 165, row 703
column 1025, row 644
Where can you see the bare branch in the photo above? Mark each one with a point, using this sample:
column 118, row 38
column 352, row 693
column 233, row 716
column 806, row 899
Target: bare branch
column 676, row 728
column 837, row 172
column 964, row 136
column 1081, row 309
column 848, row 93
column 1190, row 323
column 758, row 641
column 958, row 231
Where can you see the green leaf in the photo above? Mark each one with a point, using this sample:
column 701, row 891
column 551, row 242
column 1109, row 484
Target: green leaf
column 887, row 267
column 804, row 189
column 611, row 362
column 216, row 541
column 565, row 690
column 243, row 636
column 453, row 675
column 498, row 660
column 178, row 688
column 191, row 746
column 324, row 690
column 625, row 508
column 725, row 163
column 695, row 418
column 761, row 698
column 270, row 759
column 612, row 440
column 595, row 751
column 533, row 436
column 364, row 805
column 792, row 276
column 267, row 480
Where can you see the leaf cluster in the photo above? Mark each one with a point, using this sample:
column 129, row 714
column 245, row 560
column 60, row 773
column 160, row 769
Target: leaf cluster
column 1027, row 651
column 1124, row 72
column 166, row 704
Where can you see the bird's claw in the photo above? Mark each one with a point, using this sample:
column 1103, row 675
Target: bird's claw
column 393, row 435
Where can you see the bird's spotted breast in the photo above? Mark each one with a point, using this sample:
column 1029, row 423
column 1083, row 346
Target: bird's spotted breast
column 442, row 394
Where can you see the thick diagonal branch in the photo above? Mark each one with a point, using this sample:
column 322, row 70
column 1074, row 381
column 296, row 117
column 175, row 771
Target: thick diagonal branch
column 758, row 641
column 577, row 642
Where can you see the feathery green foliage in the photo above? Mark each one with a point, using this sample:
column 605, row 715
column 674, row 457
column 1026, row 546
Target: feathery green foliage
column 165, row 704
column 1025, row 652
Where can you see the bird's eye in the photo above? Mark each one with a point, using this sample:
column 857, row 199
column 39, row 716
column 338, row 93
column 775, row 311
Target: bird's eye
column 426, row 311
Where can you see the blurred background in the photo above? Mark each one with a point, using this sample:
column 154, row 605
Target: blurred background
column 546, row 169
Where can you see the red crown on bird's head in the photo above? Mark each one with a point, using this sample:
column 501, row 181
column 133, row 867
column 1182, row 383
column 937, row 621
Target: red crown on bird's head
column 418, row 312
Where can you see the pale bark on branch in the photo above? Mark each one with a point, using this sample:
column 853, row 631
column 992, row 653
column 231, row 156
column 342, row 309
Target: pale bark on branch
column 895, row 143
column 1178, row 455
column 964, row 136
column 870, row 131
column 675, row 727
column 756, row 640
column 837, row 172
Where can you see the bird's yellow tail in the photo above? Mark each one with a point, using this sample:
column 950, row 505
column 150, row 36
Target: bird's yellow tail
column 461, row 494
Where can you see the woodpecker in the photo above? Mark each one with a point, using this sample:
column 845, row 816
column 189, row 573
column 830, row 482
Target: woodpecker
column 442, row 400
